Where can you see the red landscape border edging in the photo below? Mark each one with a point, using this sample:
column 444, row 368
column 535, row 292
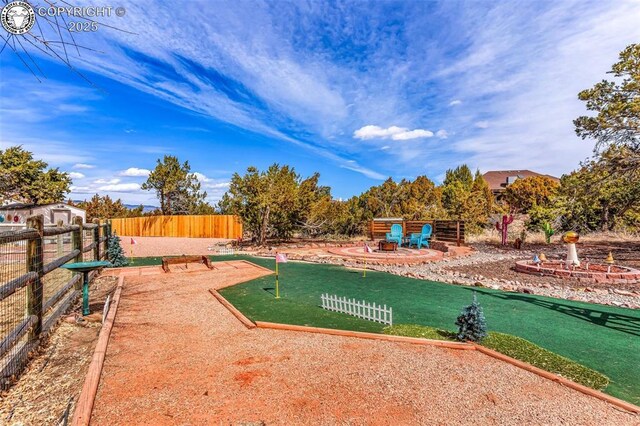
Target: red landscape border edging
column 236, row 313
column 84, row 406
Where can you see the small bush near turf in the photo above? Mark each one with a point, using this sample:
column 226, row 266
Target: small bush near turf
column 471, row 323
column 517, row 348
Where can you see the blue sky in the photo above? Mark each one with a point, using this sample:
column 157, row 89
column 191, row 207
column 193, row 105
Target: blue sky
column 357, row 91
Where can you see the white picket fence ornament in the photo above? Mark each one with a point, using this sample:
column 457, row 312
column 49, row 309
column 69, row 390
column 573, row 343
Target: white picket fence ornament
column 224, row 251
column 358, row 308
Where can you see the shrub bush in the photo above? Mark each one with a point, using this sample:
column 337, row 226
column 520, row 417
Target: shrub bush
column 471, row 322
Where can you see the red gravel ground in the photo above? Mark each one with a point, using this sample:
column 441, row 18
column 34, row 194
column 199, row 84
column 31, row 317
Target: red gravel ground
column 170, row 246
column 177, row 357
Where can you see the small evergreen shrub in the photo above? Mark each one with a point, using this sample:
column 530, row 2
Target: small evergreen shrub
column 471, row 323
column 115, row 253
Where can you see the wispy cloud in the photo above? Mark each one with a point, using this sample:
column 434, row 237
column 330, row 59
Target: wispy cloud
column 393, row 132
column 121, row 187
column 76, row 175
column 106, row 181
column 83, row 166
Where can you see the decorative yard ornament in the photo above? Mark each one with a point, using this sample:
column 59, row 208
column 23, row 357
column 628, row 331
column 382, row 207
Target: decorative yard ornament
column 542, row 258
column 571, row 238
column 610, row 260
column 548, row 232
column 506, row 221
column 536, row 260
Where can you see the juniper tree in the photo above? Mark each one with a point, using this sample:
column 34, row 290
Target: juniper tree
column 115, row 253
column 471, row 322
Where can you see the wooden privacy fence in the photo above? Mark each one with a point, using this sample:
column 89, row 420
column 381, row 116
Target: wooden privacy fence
column 202, row 226
column 451, row 231
column 358, row 308
column 34, row 290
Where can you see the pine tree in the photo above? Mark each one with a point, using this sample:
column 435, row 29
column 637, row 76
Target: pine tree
column 471, row 322
column 115, row 253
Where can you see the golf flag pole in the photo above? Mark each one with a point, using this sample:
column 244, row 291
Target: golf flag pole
column 133, row 242
column 367, row 249
column 280, row 258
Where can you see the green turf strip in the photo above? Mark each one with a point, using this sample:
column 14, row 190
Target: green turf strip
column 517, row 348
column 603, row 338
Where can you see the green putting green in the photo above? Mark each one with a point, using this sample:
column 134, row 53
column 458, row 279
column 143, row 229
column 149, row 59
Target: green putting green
column 604, row 338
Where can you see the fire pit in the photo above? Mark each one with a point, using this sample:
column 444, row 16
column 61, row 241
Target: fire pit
column 387, row 246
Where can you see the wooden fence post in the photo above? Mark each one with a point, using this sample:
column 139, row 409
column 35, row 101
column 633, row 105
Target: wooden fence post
column 60, row 242
column 77, row 241
column 96, row 239
column 35, row 263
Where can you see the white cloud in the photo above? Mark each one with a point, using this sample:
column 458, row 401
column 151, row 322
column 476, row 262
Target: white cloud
column 76, row 175
column 442, row 134
column 393, row 132
column 412, row 134
column 83, row 166
column 455, row 102
column 202, row 178
column 371, row 132
column 482, row 124
column 121, row 187
column 107, row 181
column 135, row 172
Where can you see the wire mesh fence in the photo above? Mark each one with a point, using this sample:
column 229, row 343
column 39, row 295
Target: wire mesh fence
column 34, row 290
column 14, row 318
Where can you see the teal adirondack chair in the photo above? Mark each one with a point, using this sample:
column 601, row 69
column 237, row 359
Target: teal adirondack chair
column 421, row 239
column 395, row 234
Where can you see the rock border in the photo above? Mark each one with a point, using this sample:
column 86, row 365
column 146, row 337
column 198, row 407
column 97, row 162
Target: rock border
column 629, row 276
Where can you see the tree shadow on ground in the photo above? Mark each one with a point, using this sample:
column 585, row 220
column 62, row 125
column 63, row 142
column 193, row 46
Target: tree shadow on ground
column 624, row 323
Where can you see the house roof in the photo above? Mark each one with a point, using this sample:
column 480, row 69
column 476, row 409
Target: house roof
column 28, row 206
column 497, row 179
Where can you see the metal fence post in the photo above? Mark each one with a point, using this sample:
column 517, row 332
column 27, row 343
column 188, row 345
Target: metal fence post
column 35, row 263
column 96, row 240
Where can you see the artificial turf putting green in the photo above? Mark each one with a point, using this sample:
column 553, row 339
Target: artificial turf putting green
column 604, row 338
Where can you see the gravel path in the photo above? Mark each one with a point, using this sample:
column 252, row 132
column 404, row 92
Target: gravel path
column 176, row 356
